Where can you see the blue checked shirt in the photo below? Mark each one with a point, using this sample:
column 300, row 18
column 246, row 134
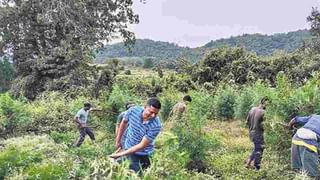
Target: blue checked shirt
column 137, row 130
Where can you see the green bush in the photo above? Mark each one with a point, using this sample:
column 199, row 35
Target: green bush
column 12, row 158
column 47, row 171
column 86, row 151
column 169, row 161
column 114, row 105
column 244, row 103
column 168, row 99
column 13, row 114
column 118, row 97
column 127, row 72
column 63, row 137
column 51, row 112
column 189, row 130
column 102, row 168
column 224, row 103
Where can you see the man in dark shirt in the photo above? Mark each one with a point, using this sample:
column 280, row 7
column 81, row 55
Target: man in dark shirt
column 255, row 123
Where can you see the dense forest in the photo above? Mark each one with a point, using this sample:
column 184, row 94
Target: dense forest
column 258, row 43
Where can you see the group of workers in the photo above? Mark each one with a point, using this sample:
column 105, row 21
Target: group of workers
column 138, row 127
column 304, row 145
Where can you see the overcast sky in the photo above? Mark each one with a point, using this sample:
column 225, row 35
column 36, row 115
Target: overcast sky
column 195, row 22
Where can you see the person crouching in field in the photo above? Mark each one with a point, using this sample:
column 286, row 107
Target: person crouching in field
column 255, row 120
column 305, row 143
column 143, row 126
column 81, row 119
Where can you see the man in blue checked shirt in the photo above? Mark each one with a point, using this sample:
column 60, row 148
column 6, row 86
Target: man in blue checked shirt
column 305, row 143
column 143, row 126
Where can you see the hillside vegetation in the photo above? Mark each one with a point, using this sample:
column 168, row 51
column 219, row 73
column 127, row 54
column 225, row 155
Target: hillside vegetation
column 257, row 43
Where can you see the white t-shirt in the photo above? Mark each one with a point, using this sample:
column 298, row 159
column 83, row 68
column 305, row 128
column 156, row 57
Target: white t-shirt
column 82, row 115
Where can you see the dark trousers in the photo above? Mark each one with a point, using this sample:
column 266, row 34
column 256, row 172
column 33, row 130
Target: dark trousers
column 83, row 132
column 304, row 159
column 257, row 152
column 139, row 162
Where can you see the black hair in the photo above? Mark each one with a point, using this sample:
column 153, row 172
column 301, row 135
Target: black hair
column 129, row 105
column 87, row 105
column 264, row 100
column 154, row 102
column 187, row 98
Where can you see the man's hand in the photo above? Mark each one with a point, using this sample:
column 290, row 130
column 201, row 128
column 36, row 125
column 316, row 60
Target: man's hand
column 291, row 124
column 83, row 125
column 288, row 126
column 116, row 155
column 118, row 145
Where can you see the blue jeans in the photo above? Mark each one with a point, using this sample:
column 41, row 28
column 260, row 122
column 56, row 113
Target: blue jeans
column 139, row 162
column 304, row 159
column 257, row 152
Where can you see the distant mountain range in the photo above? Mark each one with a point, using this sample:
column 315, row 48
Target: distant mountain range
column 258, row 43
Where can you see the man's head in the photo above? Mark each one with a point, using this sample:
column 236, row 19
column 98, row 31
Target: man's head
column 151, row 109
column 129, row 105
column 86, row 106
column 187, row 99
column 264, row 102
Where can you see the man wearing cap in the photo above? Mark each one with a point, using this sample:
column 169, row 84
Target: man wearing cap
column 81, row 119
column 143, row 126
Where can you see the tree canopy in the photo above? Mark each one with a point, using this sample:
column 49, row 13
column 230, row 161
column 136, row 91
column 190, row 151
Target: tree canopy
column 50, row 39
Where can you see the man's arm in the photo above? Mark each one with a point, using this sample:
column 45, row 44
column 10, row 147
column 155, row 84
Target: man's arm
column 143, row 144
column 117, row 129
column 122, row 128
column 81, row 125
column 248, row 119
column 300, row 120
column 119, row 119
column 95, row 109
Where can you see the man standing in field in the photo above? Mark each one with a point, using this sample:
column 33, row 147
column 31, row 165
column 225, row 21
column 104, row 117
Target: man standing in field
column 143, row 126
column 305, row 143
column 255, row 120
column 81, row 119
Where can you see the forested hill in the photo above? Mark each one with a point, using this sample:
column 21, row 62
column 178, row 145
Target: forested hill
column 264, row 44
column 149, row 48
column 261, row 44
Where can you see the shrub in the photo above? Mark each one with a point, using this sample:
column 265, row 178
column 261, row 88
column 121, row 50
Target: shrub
column 47, row 171
column 148, row 63
column 224, row 103
column 118, row 97
column 244, row 103
column 114, row 104
column 12, row 158
column 168, row 99
column 65, row 137
column 127, row 72
column 13, row 114
column 189, row 131
column 52, row 112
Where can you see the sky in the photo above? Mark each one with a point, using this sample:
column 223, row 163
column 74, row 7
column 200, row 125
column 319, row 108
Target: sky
column 194, row 23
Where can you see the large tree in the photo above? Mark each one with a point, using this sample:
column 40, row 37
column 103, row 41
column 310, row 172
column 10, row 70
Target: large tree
column 52, row 39
column 7, row 74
